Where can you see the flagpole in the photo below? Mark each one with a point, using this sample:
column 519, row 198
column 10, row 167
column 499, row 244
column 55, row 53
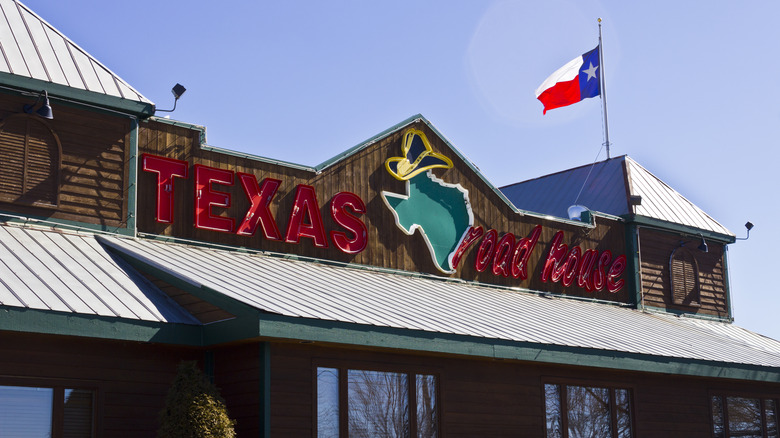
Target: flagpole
column 603, row 91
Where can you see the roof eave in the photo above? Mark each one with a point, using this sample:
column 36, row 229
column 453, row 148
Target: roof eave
column 75, row 95
column 316, row 330
column 679, row 228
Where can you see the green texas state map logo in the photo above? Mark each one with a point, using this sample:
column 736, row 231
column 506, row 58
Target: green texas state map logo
column 441, row 211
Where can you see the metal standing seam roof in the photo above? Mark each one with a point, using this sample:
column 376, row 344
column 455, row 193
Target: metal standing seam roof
column 361, row 296
column 71, row 273
column 660, row 201
column 32, row 48
column 603, row 189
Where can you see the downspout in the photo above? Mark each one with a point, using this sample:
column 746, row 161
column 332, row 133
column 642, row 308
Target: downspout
column 635, row 262
column 132, row 189
column 727, row 283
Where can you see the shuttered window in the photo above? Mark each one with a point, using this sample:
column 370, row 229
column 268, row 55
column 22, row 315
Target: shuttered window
column 30, row 157
column 684, row 274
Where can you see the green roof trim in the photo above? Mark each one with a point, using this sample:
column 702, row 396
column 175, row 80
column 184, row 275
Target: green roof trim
column 276, row 326
column 687, row 314
column 76, row 95
column 364, row 144
column 232, row 153
column 20, row 319
column 678, row 228
column 12, row 217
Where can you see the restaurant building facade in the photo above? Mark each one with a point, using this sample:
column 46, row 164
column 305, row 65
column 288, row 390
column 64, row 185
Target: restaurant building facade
column 390, row 291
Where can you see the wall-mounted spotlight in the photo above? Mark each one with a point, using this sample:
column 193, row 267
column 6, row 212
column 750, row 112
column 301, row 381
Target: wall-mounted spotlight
column 44, row 110
column 748, row 226
column 703, row 246
column 177, row 91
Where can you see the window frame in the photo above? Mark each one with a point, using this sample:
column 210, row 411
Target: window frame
column 611, row 386
column 58, row 405
column 344, row 367
column 761, row 397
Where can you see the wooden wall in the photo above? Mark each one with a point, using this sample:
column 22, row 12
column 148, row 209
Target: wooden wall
column 497, row 398
column 477, row 397
column 94, row 164
column 364, row 174
column 237, row 375
column 656, row 247
column 131, row 379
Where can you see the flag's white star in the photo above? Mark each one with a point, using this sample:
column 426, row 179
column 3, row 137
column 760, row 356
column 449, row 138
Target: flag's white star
column 591, row 72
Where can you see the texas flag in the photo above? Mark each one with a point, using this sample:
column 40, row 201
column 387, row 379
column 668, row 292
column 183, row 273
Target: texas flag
column 576, row 80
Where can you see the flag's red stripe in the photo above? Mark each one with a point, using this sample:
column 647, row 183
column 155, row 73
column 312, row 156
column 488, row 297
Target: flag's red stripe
column 561, row 94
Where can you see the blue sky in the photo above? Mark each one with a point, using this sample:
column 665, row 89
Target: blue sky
column 692, row 90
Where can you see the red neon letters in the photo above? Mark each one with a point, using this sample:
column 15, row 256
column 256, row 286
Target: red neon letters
column 258, row 212
column 588, row 268
column 508, row 256
column 338, row 211
column 166, row 169
column 471, row 236
column 298, row 226
column 206, row 198
column 305, row 219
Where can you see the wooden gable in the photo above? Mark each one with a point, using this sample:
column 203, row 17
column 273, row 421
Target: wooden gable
column 365, row 175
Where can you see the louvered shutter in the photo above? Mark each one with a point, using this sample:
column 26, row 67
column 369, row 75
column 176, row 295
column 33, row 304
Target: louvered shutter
column 12, row 145
column 29, row 162
column 41, row 182
column 685, row 277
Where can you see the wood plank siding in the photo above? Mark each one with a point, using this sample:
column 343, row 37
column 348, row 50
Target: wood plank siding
column 364, row 174
column 497, row 398
column 655, row 251
column 131, row 380
column 91, row 171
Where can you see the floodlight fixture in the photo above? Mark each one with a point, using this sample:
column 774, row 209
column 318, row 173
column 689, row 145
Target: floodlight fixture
column 177, row 91
column 44, row 110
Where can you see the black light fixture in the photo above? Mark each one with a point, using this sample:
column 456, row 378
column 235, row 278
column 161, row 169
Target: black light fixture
column 44, row 110
column 703, row 246
column 748, row 226
column 177, row 91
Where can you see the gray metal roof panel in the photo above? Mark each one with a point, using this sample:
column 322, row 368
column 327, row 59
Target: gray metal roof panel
column 33, row 48
column 363, row 296
column 47, row 270
column 660, row 201
column 602, row 185
column 603, row 189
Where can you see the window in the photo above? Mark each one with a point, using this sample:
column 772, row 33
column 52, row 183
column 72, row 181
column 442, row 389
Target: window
column 376, row 404
column 583, row 411
column 30, row 155
column 32, row 412
column 744, row 417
